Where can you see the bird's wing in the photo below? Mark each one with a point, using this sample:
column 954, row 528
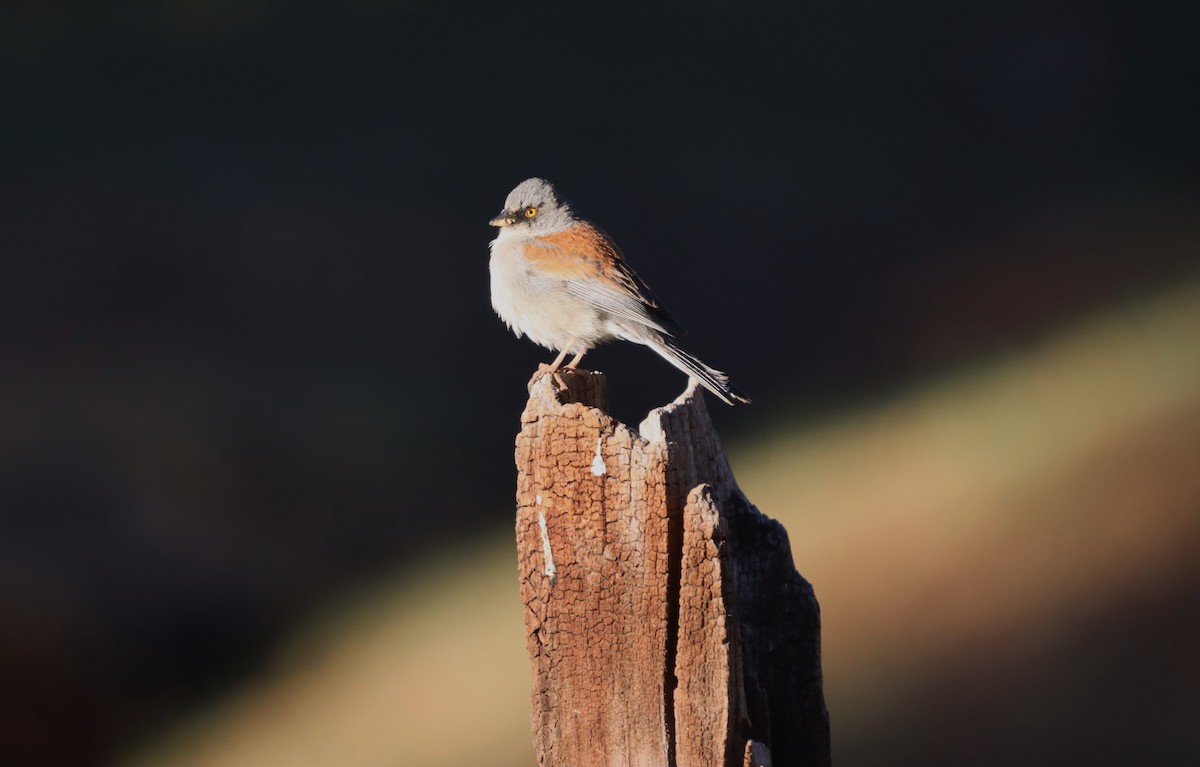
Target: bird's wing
column 592, row 268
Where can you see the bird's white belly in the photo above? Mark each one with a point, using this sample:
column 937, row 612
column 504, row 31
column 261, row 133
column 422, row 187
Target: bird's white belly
column 538, row 306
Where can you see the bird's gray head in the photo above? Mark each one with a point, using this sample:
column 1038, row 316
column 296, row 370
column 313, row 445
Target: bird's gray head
column 534, row 207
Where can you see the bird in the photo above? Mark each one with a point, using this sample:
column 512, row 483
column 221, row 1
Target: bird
column 562, row 282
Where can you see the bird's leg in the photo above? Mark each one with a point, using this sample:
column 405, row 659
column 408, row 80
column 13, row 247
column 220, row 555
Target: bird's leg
column 575, row 361
column 553, row 367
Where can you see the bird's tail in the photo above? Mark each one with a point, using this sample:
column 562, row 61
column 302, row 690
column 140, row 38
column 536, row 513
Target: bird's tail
column 712, row 379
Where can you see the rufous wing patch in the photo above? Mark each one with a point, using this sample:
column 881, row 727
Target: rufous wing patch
column 584, row 252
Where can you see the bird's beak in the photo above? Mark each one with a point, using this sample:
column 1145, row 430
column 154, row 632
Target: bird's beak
column 505, row 218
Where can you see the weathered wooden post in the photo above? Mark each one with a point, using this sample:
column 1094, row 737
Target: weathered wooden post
column 665, row 621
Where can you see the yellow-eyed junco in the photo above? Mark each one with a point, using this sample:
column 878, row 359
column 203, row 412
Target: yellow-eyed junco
column 562, row 282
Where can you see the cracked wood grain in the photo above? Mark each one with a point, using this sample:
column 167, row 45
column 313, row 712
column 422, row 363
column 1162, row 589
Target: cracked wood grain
column 665, row 622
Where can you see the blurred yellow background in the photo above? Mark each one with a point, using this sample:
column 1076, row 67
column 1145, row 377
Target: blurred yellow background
column 1005, row 559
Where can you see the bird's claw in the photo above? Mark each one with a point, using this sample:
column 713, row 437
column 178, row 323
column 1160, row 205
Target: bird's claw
column 544, row 368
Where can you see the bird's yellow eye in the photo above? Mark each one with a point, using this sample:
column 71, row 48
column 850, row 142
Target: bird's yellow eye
column 530, row 212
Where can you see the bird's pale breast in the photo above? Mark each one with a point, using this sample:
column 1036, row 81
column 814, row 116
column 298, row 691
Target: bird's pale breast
column 535, row 302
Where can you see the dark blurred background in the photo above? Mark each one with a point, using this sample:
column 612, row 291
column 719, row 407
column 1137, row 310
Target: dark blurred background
column 247, row 355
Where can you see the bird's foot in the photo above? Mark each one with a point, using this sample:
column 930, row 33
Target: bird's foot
column 554, row 370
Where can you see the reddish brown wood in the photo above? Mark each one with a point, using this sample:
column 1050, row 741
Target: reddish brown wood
column 665, row 621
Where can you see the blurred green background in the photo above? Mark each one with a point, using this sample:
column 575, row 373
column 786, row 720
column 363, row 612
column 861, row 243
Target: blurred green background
column 256, row 414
